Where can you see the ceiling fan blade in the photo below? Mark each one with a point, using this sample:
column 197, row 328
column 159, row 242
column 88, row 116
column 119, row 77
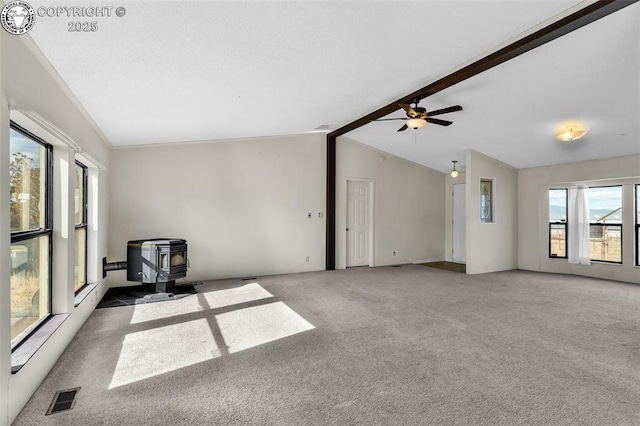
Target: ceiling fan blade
column 410, row 111
column 388, row 119
column 438, row 121
column 445, row 110
column 403, row 128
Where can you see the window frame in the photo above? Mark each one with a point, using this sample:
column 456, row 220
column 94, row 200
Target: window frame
column 491, row 217
column 564, row 223
column 47, row 230
column 83, row 224
column 618, row 225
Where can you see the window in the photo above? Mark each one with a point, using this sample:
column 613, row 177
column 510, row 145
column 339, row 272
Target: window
column 638, row 225
column 81, row 226
column 30, row 206
column 486, row 200
column 605, row 223
column 558, row 223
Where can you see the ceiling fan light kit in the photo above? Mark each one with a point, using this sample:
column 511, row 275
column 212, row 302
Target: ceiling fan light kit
column 416, row 123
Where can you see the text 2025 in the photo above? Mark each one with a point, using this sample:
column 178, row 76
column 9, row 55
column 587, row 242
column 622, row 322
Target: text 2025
column 83, row 27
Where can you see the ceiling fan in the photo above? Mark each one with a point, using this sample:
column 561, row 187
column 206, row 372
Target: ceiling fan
column 418, row 117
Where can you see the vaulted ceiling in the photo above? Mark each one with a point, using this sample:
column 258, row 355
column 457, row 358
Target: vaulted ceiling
column 178, row 71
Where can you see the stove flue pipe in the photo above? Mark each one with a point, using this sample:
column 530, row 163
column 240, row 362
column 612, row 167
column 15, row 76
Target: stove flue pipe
column 111, row 266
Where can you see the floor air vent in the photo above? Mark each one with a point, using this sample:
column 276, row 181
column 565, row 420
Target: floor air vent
column 63, row 401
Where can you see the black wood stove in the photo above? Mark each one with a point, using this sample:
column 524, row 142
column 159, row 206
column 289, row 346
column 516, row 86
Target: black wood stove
column 157, row 263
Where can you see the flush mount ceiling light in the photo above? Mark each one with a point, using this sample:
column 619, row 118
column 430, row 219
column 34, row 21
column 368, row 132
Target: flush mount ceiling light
column 454, row 172
column 571, row 132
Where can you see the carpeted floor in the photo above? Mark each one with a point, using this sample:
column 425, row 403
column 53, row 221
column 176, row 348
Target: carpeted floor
column 367, row 346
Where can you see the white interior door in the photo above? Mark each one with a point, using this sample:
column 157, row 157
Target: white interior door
column 358, row 222
column 459, row 224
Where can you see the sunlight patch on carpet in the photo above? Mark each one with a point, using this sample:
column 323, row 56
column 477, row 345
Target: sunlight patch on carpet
column 155, row 311
column 245, row 328
column 160, row 350
column 234, row 296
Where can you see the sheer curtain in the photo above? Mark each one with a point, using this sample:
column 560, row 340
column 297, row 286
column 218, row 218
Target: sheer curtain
column 578, row 224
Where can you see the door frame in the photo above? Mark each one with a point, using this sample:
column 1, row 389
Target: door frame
column 372, row 197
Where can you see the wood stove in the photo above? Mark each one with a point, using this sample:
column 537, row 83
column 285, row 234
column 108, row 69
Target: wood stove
column 157, row 263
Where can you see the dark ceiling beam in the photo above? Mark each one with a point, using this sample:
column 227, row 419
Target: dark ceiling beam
column 330, row 216
column 557, row 29
column 569, row 23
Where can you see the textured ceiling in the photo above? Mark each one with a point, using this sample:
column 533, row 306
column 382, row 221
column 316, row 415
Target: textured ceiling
column 175, row 71
column 511, row 112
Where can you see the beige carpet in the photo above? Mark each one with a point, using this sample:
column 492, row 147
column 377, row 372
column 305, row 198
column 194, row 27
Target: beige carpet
column 369, row 346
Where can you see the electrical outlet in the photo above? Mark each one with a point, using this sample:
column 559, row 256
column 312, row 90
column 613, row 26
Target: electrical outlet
column 307, row 258
column 395, row 253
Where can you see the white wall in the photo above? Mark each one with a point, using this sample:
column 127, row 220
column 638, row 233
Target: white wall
column 491, row 246
column 533, row 207
column 29, row 82
column 409, row 206
column 241, row 204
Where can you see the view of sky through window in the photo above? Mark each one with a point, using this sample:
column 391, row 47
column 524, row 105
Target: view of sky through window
column 605, row 203
column 22, row 144
column 557, row 205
